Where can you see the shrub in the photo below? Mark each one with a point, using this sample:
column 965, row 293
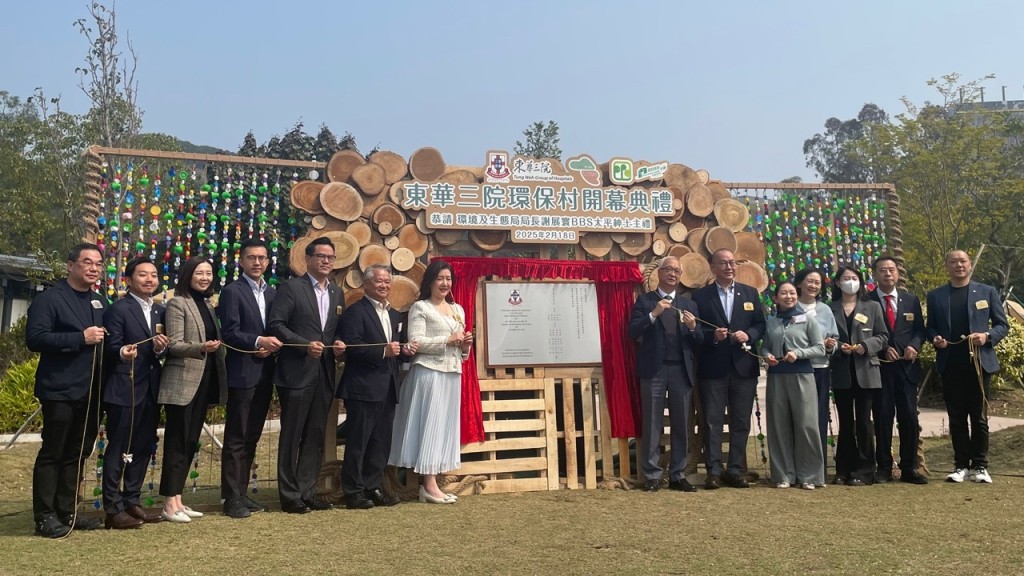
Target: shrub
column 12, row 346
column 17, row 401
column 1010, row 352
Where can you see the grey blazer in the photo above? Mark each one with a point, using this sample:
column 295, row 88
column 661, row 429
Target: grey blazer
column 185, row 358
column 868, row 329
column 803, row 338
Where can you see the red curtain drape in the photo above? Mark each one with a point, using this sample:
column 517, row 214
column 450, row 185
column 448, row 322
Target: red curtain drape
column 614, row 282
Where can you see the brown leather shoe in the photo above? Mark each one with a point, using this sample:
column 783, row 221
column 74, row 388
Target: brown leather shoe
column 122, row 521
column 713, row 483
column 140, row 513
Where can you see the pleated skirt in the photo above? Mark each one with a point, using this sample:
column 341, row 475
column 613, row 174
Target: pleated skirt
column 426, row 429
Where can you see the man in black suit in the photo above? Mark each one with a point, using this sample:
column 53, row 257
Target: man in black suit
column 130, row 394
column 305, row 313
column 901, row 375
column 243, row 309
column 369, row 387
column 727, row 373
column 665, row 327
column 65, row 326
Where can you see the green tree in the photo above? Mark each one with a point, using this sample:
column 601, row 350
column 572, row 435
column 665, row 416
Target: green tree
column 833, row 154
column 541, row 141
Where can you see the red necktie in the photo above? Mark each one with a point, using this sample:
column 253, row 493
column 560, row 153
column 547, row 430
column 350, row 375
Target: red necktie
column 890, row 313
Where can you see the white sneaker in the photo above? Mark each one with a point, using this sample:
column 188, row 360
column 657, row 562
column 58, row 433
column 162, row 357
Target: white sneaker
column 980, row 475
column 807, row 486
column 958, row 475
column 782, row 485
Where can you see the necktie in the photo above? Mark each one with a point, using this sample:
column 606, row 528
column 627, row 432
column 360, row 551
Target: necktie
column 890, row 313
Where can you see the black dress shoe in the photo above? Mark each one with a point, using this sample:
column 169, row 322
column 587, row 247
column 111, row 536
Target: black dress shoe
column 253, row 505
column 682, row 485
column 298, row 507
column 713, row 483
column 318, row 505
column 913, row 477
column 358, row 501
column 882, row 477
column 735, row 481
column 839, row 480
column 122, row 521
column 51, row 527
column 379, row 498
column 855, row 482
column 140, row 513
column 651, row 485
column 82, row 522
column 236, row 508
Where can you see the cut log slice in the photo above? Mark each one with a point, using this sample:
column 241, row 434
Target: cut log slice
column 597, row 243
column 354, row 295
column 360, row 231
column 416, row 272
column 703, row 175
column 371, row 203
column 680, row 175
column 732, row 214
column 305, row 195
column 426, row 164
column 395, row 167
column 369, row 178
column 691, row 221
column 374, row 254
column 385, row 228
column 677, row 232
column 661, row 233
column 392, row 242
column 354, row 278
column 679, row 250
column 699, row 200
column 749, row 247
column 695, row 270
column 396, row 193
column 488, row 240
column 342, row 163
column 678, row 202
column 346, row 248
column 460, row 177
column 695, row 239
column 333, row 224
column 389, row 213
column 402, row 259
column 636, row 243
column 650, row 272
column 410, row 237
column 447, row 237
column 404, row 291
column 342, row 201
column 619, row 237
column 718, row 190
column 752, row 275
column 720, row 238
column 297, row 255
column 477, row 171
column 659, row 247
column 318, row 222
column 421, row 223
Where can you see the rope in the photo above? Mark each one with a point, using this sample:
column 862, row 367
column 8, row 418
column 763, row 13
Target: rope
column 97, row 358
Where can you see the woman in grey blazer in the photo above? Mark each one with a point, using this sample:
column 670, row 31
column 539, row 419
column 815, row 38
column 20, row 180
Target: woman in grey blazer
column 855, row 376
column 193, row 378
column 808, row 283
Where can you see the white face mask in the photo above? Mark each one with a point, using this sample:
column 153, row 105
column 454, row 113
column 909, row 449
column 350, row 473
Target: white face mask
column 849, row 286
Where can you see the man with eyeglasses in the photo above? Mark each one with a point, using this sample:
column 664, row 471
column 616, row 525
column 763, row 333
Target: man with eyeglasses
column 65, row 326
column 305, row 318
column 664, row 325
column 728, row 372
column 243, row 310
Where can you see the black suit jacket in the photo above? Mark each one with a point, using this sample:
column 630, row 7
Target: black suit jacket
column 718, row 358
column 870, row 331
column 295, row 319
column 650, row 336
column 55, row 329
column 985, row 314
column 126, row 324
column 240, row 326
column 368, row 376
column 909, row 330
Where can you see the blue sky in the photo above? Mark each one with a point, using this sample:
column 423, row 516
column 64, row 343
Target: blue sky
column 732, row 87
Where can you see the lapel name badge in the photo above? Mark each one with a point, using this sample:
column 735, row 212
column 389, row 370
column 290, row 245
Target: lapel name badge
column 861, row 318
column 748, row 306
column 908, row 316
column 980, row 304
column 96, row 305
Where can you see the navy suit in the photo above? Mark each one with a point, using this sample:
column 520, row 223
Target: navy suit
column 68, row 382
column 369, row 387
column 250, row 382
column 727, row 374
column 131, row 406
column 661, row 370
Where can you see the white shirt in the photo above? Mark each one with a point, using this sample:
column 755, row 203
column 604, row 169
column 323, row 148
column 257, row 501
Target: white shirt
column 147, row 311
column 259, row 292
column 323, row 299
column 664, row 295
column 727, row 294
column 381, row 308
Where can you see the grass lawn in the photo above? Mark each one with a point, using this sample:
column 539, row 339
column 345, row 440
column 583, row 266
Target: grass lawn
column 890, row 529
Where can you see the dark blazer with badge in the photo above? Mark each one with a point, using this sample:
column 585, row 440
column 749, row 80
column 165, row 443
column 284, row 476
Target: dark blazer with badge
column 241, row 324
column 985, row 314
column 295, row 319
column 718, row 358
column 186, row 361
column 909, row 329
column 650, row 336
column 54, row 329
column 368, row 375
column 868, row 329
column 126, row 324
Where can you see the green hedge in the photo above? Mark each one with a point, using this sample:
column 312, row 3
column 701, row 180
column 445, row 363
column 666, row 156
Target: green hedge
column 16, row 399
column 1010, row 352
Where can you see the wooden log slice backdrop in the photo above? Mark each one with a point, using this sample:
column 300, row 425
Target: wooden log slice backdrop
column 720, row 238
column 395, row 167
column 426, row 164
column 677, row 232
column 695, row 270
column 679, row 250
column 404, row 291
column 718, row 190
column 392, row 243
column 331, row 223
column 619, row 237
column 459, row 177
column 650, row 273
column 695, row 240
column 305, row 195
column 371, row 203
column 346, row 248
column 402, row 259
column 354, row 278
column 369, row 178
column 661, row 233
column 703, row 175
column 681, row 176
column 447, row 236
column 297, row 255
column 732, row 214
column 374, row 254
column 342, row 163
column 749, row 247
column 421, row 223
column 699, row 200
column 678, row 203
column 318, row 222
column 478, row 171
column 389, row 213
column 360, row 231
column 488, row 240
column 691, row 221
column 752, row 275
column 416, row 272
column 636, row 243
column 385, row 228
column 342, row 201
column 659, row 247
column 355, row 295
column 597, row 244
column 410, row 237
column 396, row 193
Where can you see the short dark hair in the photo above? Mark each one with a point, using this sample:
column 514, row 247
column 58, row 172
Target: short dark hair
column 252, row 243
column 77, row 250
column 837, row 294
column 781, row 283
column 321, row 241
column 185, row 273
column 430, row 275
column 129, row 268
column 802, row 275
column 883, row 258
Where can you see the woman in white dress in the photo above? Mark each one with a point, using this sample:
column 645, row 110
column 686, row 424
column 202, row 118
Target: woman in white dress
column 426, row 429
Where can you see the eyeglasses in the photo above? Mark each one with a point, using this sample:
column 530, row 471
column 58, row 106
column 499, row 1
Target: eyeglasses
column 255, row 258
column 325, row 257
column 727, row 264
column 674, row 271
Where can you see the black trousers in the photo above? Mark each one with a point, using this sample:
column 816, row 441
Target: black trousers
column 246, row 414
column 69, row 433
column 367, row 445
column 898, row 397
column 823, row 382
column 966, row 404
column 738, row 394
column 181, row 438
column 300, row 448
column 855, row 455
column 122, row 481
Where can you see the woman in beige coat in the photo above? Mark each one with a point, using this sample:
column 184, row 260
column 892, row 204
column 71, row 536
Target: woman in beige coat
column 193, row 378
